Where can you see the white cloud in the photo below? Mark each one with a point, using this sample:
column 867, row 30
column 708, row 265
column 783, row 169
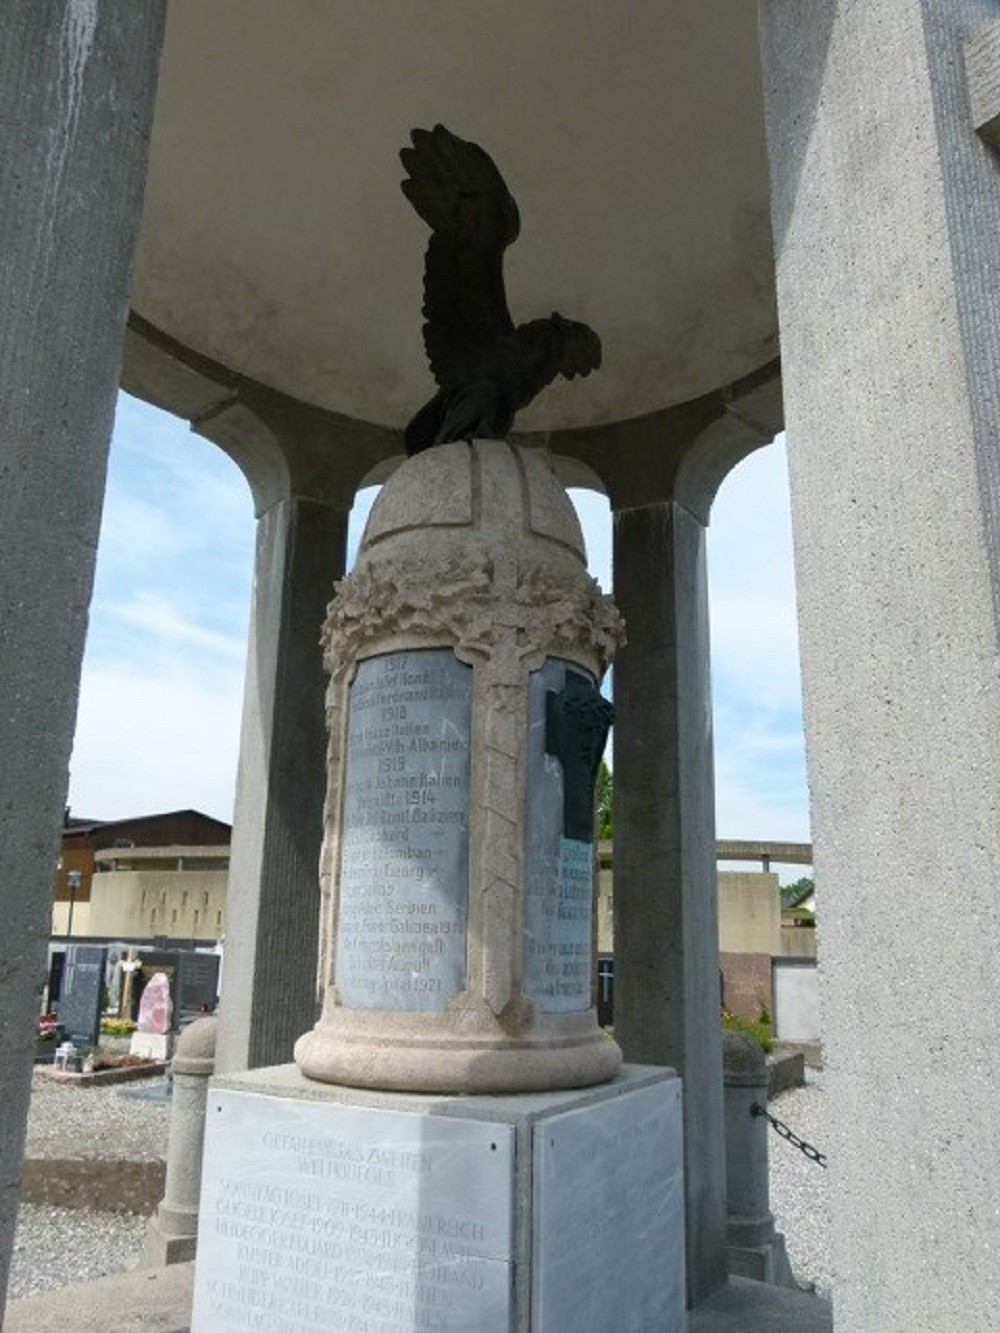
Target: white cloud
column 163, row 618
column 155, row 740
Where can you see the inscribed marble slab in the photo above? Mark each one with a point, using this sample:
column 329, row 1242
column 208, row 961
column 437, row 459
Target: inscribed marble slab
column 404, row 872
column 351, row 1220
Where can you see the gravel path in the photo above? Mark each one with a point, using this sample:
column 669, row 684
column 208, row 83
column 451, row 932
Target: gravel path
column 54, row 1247
column 68, row 1121
column 58, row 1246
column 798, row 1186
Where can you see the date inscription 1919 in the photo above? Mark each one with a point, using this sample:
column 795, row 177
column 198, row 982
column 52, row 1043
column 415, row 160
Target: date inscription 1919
column 404, row 884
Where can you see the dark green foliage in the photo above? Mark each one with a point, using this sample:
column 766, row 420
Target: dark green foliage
column 760, row 1028
column 793, row 894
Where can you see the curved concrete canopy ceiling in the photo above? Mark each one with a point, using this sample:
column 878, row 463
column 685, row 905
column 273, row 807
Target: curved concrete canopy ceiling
column 276, row 240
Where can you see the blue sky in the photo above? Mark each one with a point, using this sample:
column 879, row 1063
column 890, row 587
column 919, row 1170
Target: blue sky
column 158, row 724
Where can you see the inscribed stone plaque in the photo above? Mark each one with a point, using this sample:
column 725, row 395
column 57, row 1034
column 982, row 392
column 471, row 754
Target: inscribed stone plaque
column 608, row 1188
column 404, row 869
column 559, row 872
column 351, row 1220
column 81, row 997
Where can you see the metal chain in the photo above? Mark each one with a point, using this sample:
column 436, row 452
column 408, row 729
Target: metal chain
column 783, row 1130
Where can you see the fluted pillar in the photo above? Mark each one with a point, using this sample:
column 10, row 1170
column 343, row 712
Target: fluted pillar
column 661, row 474
column 303, row 473
column 885, row 203
column 77, row 85
column 666, row 932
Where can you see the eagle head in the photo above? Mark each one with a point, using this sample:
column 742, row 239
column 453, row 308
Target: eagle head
column 579, row 347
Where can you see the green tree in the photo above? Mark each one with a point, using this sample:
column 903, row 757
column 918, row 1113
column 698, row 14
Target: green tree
column 605, row 802
column 792, row 894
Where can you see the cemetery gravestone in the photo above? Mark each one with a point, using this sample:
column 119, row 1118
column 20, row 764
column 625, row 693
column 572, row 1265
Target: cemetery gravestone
column 196, row 987
column 151, row 962
column 57, row 965
column 81, row 999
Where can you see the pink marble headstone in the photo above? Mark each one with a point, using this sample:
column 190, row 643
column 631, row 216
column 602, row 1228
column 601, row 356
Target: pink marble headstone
column 155, row 1007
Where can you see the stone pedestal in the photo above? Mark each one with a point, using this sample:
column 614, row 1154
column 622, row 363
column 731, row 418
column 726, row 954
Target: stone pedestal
column 172, row 1237
column 466, row 727
column 372, row 1212
column 756, row 1248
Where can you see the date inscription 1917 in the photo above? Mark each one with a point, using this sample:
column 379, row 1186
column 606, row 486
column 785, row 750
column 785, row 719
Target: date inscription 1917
column 404, row 883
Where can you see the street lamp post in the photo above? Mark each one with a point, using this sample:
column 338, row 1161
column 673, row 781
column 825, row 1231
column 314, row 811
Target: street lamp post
column 73, row 880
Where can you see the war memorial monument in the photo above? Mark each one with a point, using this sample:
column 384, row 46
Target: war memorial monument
column 456, row 1146
column 779, row 216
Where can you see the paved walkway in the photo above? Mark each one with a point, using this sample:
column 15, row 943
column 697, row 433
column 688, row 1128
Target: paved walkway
column 158, row 1300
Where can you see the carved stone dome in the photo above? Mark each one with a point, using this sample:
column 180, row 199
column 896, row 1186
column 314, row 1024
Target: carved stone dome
column 458, row 530
column 502, row 493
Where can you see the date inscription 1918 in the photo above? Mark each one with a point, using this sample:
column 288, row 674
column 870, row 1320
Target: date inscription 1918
column 404, row 884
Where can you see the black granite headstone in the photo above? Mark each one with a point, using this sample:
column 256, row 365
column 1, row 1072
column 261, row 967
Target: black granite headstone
column 193, row 978
column 57, row 964
column 82, row 996
column 197, row 984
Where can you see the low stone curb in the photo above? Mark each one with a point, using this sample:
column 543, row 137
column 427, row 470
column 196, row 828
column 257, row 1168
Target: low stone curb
column 102, row 1077
column 785, row 1070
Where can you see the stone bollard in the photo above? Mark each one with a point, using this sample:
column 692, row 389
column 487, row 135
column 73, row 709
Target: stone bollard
column 173, row 1230
column 755, row 1248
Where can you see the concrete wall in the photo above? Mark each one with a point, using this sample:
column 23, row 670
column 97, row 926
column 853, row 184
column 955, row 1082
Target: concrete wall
column 749, row 912
column 189, row 904
column 81, row 919
column 798, row 942
column 796, row 1000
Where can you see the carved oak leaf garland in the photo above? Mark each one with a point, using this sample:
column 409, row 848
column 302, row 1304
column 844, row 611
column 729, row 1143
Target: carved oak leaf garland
column 456, row 600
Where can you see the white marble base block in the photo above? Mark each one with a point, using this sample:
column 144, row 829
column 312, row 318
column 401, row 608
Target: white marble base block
column 332, row 1208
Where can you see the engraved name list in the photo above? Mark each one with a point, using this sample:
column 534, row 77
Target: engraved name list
column 404, row 848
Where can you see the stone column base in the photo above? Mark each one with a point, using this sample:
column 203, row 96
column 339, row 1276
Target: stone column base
column 382, row 1054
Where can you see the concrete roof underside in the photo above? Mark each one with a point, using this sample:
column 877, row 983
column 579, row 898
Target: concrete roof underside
column 277, row 248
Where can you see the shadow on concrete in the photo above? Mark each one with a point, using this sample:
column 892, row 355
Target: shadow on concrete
column 158, row 1300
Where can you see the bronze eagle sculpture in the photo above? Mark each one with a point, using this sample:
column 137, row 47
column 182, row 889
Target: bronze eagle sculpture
column 486, row 368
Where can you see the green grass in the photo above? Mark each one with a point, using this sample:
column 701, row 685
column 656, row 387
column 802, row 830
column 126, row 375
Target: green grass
column 760, row 1028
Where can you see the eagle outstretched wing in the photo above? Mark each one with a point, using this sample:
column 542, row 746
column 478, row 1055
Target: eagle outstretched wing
column 456, row 189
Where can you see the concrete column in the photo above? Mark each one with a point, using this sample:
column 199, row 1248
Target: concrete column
column 666, row 934
column 77, row 84
column 885, row 206
column 304, row 466
column 273, row 902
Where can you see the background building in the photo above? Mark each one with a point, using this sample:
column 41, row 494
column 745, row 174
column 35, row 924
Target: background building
column 145, row 876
